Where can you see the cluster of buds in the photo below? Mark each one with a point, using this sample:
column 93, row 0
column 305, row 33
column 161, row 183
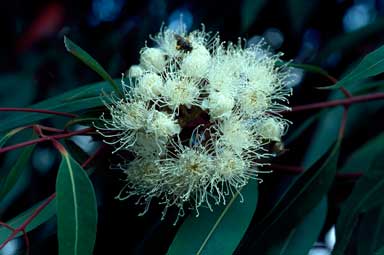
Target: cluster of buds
column 199, row 116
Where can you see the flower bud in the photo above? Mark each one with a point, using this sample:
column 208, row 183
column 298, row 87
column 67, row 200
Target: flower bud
column 149, row 86
column 135, row 71
column 271, row 129
column 153, row 59
column 219, row 105
column 196, row 63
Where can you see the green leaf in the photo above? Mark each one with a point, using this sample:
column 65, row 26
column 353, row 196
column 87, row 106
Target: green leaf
column 90, row 62
column 17, row 169
column 301, row 197
column 76, row 209
column 308, row 68
column 8, row 135
column 302, row 237
column 85, row 97
column 367, row 193
column 46, row 214
column 371, row 222
column 75, row 151
column 380, row 251
column 220, row 231
column 297, row 131
column 364, row 156
column 249, row 11
column 371, row 65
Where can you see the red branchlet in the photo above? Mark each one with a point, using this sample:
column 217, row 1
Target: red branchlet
column 14, row 109
column 46, row 138
column 345, row 102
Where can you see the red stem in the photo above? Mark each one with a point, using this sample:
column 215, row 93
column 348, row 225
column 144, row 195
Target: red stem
column 7, row 226
column 346, row 92
column 28, row 220
column 331, row 78
column 343, row 122
column 45, row 138
column 26, row 240
column 347, row 101
column 92, row 157
column 14, row 109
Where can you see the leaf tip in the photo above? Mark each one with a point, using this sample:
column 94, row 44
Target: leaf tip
column 67, row 43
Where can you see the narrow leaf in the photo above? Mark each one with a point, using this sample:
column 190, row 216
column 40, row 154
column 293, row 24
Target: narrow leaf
column 88, row 96
column 302, row 237
column 367, row 193
column 46, row 214
column 90, row 62
column 76, row 209
column 8, row 135
column 217, row 232
column 297, row 131
column 371, row 222
column 16, row 171
column 371, row 65
column 380, row 251
column 363, row 157
column 301, row 197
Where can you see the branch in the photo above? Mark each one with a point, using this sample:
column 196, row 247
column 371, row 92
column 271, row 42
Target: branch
column 345, row 102
column 44, row 139
column 13, row 109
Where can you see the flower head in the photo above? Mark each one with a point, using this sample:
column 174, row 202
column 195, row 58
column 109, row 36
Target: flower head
column 197, row 117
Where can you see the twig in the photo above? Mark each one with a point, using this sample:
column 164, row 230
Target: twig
column 14, row 109
column 347, row 101
column 45, row 138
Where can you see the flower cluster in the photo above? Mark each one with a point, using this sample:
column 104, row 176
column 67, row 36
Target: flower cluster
column 199, row 117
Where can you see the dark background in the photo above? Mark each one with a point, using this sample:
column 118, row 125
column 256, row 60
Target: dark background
column 34, row 65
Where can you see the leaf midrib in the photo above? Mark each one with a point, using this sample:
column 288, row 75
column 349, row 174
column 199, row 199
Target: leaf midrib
column 74, row 203
column 214, row 227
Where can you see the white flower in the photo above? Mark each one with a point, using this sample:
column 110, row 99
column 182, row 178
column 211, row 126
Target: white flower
column 127, row 118
column 197, row 62
column 181, row 90
column 271, row 129
column 197, row 117
column 253, row 101
column 163, row 125
column 237, row 134
column 219, row 105
column 149, row 86
column 152, row 59
column 231, row 169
